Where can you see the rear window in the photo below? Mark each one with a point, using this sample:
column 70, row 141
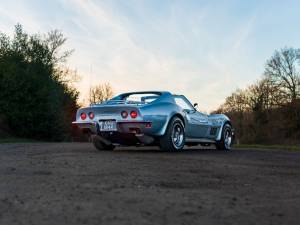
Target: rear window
column 141, row 98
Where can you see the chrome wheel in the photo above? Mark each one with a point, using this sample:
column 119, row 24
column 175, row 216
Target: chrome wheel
column 174, row 137
column 177, row 136
column 228, row 139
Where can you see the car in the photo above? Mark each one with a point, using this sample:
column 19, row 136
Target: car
column 156, row 118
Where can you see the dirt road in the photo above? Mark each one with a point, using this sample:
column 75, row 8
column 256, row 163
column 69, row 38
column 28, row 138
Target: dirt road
column 72, row 183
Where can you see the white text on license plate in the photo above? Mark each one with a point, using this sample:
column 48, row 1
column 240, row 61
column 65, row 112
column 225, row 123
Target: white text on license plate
column 108, row 125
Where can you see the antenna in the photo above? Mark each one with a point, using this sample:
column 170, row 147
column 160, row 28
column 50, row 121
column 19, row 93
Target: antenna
column 90, row 82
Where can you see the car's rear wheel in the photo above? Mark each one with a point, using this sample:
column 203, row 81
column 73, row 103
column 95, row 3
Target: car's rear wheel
column 226, row 138
column 101, row 146
column 174, row 138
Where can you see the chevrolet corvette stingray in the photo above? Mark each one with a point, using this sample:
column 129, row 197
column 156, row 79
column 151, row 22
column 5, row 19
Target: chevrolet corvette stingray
column 153, row 118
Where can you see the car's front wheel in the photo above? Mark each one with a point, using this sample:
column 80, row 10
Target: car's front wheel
column 226, row 138
column 174, row 138
column 101, row 146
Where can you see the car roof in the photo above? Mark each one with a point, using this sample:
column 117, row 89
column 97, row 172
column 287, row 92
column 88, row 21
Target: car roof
column 160, row 93
column 146, row 92
column 163, row 95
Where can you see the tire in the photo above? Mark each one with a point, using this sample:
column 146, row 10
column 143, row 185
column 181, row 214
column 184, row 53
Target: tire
column 226, row 138
column 100, row 146
column 174, row 138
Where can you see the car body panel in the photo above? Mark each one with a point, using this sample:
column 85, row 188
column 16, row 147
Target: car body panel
column 152, row 118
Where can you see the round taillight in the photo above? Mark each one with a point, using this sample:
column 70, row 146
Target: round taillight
column 91, row 115
column 83, row 116
column 124, row 114
column 133, row 114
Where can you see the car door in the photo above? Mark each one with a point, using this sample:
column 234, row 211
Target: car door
column 197, row 123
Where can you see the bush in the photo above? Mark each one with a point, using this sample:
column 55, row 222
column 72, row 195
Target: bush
column 34, row 99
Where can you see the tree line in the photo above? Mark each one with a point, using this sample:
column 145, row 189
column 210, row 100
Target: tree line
column 268, row 111
column 36, row 98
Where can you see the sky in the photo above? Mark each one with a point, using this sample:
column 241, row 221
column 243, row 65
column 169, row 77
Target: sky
column 202, row 49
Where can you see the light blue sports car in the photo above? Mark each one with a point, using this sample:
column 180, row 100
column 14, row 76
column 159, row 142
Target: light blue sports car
column 153, row 118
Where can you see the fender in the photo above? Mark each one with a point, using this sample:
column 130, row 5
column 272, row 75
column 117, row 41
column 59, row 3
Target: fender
column 219, row 136
column 165, row 126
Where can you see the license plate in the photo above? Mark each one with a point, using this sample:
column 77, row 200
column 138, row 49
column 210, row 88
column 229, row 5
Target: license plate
column 108, row 125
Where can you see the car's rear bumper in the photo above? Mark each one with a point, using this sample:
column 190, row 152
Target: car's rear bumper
column 126, row 133
column 133, row 127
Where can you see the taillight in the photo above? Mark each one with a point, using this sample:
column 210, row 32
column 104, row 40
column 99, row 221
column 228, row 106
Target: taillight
column 124, row 114
column 83, row 116
column 91, row 115
column 133, row 114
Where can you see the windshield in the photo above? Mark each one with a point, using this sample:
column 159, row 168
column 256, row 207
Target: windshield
column 183, row 102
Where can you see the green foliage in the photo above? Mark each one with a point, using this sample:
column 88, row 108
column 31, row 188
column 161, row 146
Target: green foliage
column 33, row 98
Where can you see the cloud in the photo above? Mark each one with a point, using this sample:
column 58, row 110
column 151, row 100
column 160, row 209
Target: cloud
column 136, row 46
column 244, row 32
column 173, row 52
column 11, row 14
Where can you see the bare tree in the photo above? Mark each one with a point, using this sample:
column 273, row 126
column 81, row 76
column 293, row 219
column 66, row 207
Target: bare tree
column 55, row 40
column 100, row 93
column 283, row 71
column 236, row 102
column 268, row 110
column 263, row 95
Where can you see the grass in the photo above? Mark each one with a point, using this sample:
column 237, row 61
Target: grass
column 16, row 140
column 293, row 148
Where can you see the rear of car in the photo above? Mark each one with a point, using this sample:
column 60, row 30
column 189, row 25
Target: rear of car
column 123, row 120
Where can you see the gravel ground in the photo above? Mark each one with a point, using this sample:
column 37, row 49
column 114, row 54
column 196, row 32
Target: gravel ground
column 72, row 183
